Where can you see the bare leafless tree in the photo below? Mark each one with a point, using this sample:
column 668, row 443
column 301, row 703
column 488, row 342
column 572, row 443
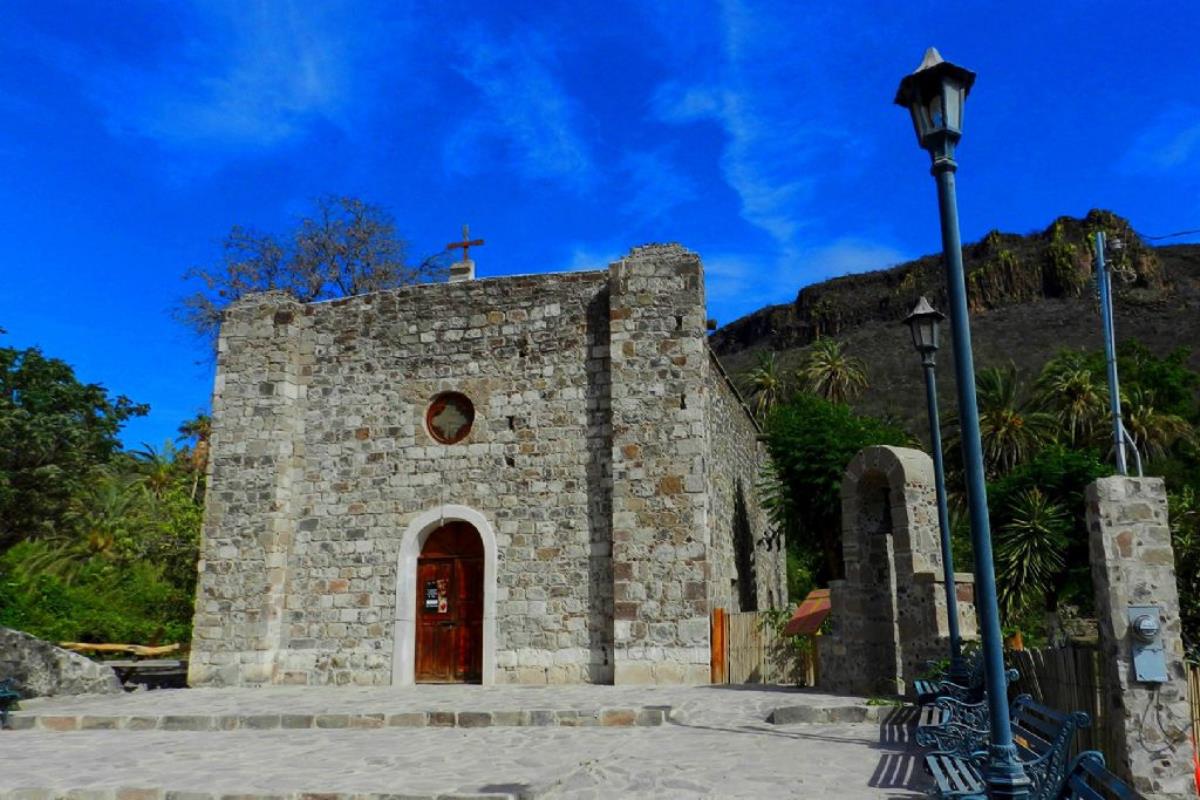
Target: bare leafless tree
column 345, row 247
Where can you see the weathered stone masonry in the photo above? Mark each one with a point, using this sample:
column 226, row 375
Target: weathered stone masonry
column 608, row 459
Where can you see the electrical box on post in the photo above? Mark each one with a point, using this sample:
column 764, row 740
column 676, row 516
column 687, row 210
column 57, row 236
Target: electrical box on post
column 1149, row 652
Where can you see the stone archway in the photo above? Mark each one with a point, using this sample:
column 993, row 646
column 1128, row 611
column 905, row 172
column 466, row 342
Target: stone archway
column 405, row 633
column 889, row 614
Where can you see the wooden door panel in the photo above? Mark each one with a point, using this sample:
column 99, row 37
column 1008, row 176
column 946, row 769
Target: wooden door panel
column 449, row 645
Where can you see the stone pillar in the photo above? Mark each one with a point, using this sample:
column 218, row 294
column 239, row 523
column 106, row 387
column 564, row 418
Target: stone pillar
column 1133, row 564
column 660, row 531
column 258, row 449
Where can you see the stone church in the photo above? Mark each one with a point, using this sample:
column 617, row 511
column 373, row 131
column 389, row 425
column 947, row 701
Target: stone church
column 529, row 479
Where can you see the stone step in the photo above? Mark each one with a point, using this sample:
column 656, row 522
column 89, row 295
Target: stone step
column 646, row 716
column 135, row 792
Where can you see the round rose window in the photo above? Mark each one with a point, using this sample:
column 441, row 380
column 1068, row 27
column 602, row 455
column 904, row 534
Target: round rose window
column 449, row 417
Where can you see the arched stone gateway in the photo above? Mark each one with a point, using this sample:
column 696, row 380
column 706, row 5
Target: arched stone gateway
column 408, row 583
column 889, row 613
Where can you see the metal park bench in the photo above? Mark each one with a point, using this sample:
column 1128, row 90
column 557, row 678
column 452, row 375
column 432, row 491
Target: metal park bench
column 929, row 689
column 1043, row 739
column 952, row 726
column 8, row 699
column 1088, row 779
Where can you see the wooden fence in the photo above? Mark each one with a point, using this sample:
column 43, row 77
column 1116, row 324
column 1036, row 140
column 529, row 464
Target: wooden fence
column 1067, row 679
column 747, row 648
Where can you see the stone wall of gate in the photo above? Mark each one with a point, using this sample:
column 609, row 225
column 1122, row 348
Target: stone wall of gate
column 889, row 613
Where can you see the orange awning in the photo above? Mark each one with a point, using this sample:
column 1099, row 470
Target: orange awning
column 809, row 614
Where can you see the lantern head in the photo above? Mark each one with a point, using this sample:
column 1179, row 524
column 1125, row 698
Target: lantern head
column 935, row 95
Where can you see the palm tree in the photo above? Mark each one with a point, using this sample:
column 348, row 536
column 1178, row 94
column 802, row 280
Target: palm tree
column 110, row 517
column 156, row 466
column 764, row 384
column 1030, row 549
column 1153, row 431
column 199, row 429
column 1070, row 391
column 830, row 373
column 1011, row 429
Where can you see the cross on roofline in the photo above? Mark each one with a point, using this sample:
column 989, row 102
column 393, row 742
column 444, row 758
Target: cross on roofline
column 467, row 242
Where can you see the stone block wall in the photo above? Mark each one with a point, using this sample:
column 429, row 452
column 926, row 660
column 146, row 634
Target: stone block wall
column 1133, row 564
column 661, row 536
column 587, row 471
column 749, row 567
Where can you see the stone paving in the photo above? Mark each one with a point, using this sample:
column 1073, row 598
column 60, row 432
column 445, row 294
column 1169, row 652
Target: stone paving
column 713, row 742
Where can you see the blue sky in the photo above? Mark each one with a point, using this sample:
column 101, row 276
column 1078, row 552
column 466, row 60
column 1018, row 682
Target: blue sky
column 760, row 134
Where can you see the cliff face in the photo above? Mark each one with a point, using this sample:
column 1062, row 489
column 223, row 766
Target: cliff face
column 1030, row 296
column 1003, row 269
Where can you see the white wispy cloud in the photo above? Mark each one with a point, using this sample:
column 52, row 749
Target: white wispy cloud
column 782, row 130
column 246, row 76
column 525, row 117
column 1171, row 143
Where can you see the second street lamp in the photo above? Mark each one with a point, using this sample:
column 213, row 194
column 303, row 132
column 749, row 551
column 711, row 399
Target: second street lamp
column 925, row 322
column 934, row 96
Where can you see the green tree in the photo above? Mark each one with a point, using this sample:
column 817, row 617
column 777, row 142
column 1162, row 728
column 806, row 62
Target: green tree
column 344, row 247
column 1060, row 475
column 764, row 385
column 831, row 374
column 197, row 432
column 810, row 441
column 54, row 432
column 1011, row 428
column 1070, row 389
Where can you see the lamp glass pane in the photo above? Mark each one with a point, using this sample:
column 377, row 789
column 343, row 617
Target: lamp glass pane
column 937, row 117
column 954, row 96
column 920, row 125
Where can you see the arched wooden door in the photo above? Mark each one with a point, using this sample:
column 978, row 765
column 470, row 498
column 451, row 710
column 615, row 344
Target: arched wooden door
column 449, row 645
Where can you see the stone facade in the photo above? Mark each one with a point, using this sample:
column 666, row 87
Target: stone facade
column 889, row 614
column 1133, row 564
column 44, row 670
column 601, row 485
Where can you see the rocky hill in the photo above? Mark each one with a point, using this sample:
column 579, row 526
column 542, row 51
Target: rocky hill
column 1030, row 296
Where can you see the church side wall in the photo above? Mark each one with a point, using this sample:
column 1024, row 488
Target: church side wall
column 531, row 353
column 258, row 403
column 660, row 531
column 747, row 562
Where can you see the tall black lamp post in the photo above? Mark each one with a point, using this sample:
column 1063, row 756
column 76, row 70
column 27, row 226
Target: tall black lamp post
column 925, row 323
column 935, row 95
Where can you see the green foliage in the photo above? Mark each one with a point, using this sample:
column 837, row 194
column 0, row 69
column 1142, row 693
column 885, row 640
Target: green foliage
column 1029, row 548
column 1184, row 511
column 1010, row 426
column 1059, row 475
column 764, row 385
column 810, row 441
column 106, row 602
column 54, row 432
column 96, row 544
column 829, row 373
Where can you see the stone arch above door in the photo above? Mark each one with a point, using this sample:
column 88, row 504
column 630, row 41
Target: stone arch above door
column 415, row 534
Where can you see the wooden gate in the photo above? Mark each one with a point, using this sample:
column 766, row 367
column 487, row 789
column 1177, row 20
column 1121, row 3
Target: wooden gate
column 748, row 648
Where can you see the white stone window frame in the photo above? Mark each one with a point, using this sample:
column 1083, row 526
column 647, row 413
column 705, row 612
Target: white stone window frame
column 404, row 650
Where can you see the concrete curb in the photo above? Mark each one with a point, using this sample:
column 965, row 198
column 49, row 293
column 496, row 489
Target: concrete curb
column 617, row 717
column 828, row 715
